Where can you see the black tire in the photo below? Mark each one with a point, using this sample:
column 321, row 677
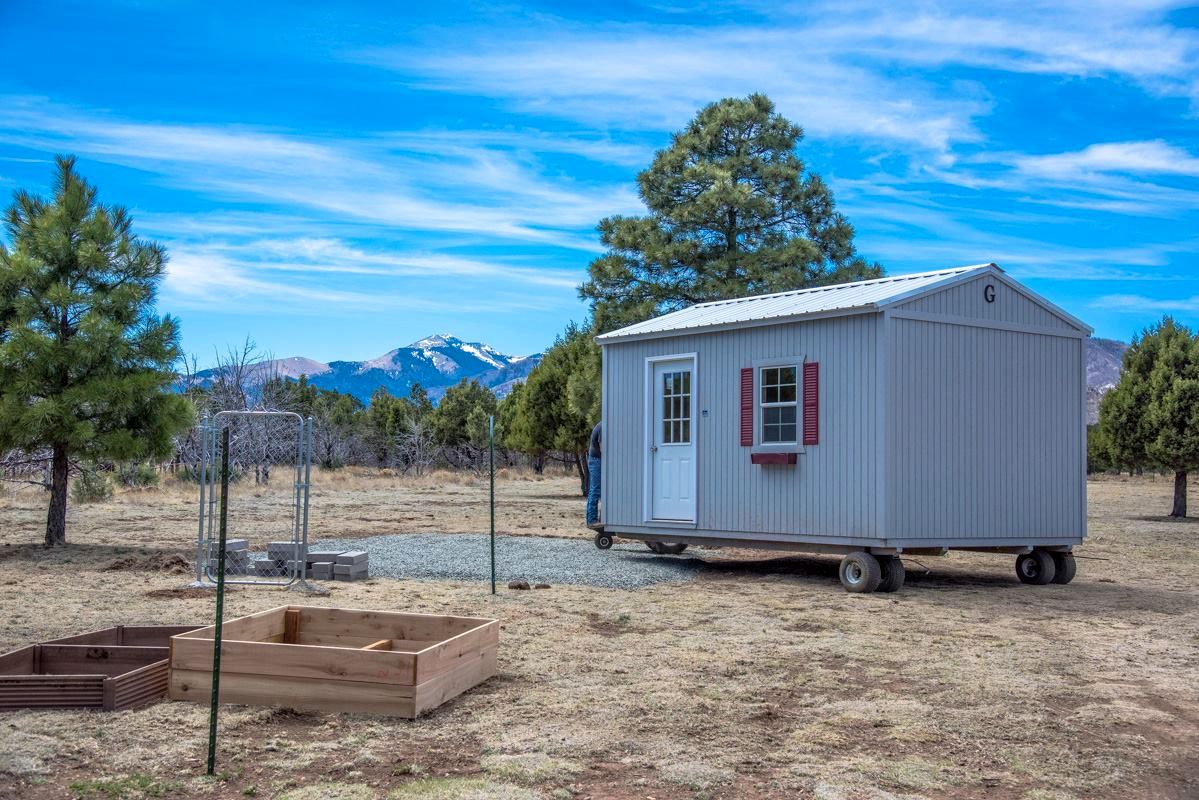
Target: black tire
column 667, row 548
column 893, row 574
column 1064, row 567
column 860, row 572
column 1035, row 568
column 603, row 540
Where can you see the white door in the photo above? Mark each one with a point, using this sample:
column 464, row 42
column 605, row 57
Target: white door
column 672, row 451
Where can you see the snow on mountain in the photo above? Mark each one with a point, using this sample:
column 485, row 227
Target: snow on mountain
column 1105, row 359
column 435, row 362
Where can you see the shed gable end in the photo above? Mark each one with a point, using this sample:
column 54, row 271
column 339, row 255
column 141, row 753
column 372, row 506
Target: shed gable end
column 989, row 298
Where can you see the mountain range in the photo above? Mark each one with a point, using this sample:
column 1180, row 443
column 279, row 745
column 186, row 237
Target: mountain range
column 438, row 362
column 1105, row 359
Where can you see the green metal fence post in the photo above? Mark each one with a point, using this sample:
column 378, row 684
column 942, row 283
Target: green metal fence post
column 220, row 602
column 491, row 460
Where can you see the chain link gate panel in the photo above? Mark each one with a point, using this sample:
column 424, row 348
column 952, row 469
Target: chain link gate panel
column 269, row 451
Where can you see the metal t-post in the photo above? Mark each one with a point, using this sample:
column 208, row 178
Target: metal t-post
column 220, row 602
column 491, row 460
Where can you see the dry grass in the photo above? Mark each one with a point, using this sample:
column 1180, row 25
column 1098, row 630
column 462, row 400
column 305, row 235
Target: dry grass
column 757, row 680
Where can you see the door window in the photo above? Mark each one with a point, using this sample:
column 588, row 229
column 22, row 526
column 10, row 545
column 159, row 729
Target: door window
column 676, row 407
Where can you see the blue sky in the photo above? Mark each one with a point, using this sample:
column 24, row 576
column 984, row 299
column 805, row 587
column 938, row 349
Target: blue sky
column 336, row 180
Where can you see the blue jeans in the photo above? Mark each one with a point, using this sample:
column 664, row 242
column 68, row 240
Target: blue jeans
column 593, row 492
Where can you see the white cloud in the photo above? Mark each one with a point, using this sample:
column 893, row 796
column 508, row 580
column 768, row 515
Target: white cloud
column 844, row 69
column 640, row 78
column 1140, row 304
column 1139, row 158
column 469, row 189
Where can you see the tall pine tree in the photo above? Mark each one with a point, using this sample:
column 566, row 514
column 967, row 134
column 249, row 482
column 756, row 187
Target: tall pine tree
column 85, row 364
column 732, row 212
column 1151, row 417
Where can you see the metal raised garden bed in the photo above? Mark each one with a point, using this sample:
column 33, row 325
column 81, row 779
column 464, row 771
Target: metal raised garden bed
column 111, row 669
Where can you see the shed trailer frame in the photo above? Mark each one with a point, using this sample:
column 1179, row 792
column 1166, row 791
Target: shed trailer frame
column 897, row 311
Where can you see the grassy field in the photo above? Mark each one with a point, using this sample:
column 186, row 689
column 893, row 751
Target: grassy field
column 763, row 678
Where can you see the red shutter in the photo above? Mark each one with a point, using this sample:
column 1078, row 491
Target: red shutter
column 811, row 402
column 747, row 407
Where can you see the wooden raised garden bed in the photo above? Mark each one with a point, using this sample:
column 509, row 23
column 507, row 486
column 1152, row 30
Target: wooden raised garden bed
column 337, row 659
column 111, row 669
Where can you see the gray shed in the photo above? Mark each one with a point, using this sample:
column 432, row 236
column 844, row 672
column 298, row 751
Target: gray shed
column 910, row 414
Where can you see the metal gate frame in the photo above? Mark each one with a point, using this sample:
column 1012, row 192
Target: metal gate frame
column 210, row 481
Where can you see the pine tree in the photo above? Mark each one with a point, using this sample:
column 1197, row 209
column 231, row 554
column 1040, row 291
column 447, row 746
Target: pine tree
column 1151, row 417
column 732, row 213
column 85, row 364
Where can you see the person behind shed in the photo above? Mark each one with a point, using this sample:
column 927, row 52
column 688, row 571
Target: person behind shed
column 594, row 459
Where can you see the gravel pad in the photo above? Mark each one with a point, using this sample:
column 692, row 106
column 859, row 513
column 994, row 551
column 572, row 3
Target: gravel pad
column 466, row 556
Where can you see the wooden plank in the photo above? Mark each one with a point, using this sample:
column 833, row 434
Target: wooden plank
column 411, row 645
column 333, row 640
column 299, row 661
column 250, row 628
column 382, row 644
column 446, row 655
column 469, row 672
column 148, row 635
column 377, row 625
column 80, row 659
column 103, row 636
column 313, row 694
column 19, row 662
column 291, row 626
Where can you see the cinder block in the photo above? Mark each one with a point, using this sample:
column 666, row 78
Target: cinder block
column 315, row 556
column 266, row 567
column 349, row 572
column 352, row 558
column 301, row 568
column 322, row 570
column 282, row 551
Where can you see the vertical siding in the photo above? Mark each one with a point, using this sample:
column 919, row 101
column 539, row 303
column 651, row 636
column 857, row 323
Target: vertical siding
column 966, row 300
column 985, row 434
column 831, row 492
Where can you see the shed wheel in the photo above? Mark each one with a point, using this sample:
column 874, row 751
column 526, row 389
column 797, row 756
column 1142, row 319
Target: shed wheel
column 893, row 574
column 860, row 572
column 1064, row 567
column 1036, row 568
column 667, row 548
column 603, row 540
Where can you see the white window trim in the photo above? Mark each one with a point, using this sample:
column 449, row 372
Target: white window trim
column 779, row 447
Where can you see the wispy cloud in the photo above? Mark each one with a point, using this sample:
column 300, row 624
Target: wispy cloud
column 641, row 78
column 1155, row 157
column 846, row 69
column 1140, row 304
column 467, row 189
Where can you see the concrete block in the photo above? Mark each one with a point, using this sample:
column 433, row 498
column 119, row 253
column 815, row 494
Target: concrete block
column 322, row 570
column 281, row 551
column 352, row 558
column 266, row 567
column 315, row 556
column 349, row 572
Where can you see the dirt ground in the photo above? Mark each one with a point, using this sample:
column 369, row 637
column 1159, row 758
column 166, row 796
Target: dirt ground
column 760, row 679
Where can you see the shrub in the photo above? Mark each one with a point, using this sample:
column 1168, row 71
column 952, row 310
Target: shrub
column 136, row 474
column 91, row 487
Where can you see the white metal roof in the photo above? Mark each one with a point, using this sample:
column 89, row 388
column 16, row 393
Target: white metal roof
column 857, row 297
